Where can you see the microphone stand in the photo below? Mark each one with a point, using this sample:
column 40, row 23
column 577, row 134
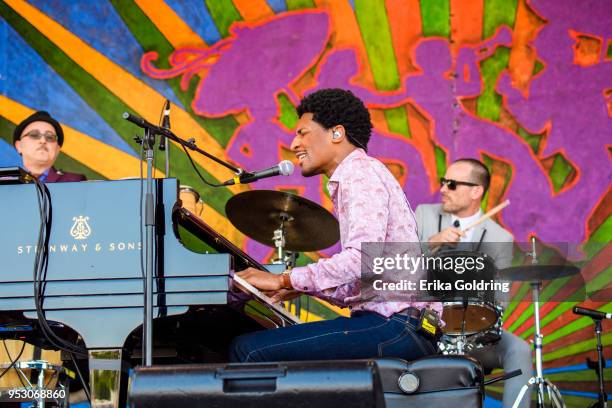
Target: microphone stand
column 602, row 401
column 148, row 143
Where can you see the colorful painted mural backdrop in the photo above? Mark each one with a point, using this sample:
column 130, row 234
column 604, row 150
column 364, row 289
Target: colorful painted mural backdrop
column 524, row 85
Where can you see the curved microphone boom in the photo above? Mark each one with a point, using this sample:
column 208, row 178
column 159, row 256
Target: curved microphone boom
column 284, row 168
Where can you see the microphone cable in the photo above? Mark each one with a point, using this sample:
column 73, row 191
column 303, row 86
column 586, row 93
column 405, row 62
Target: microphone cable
column 41, row 265
column 198, row 171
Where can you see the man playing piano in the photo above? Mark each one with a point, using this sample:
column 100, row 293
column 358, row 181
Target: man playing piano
column 332, row 135
column 39, row 139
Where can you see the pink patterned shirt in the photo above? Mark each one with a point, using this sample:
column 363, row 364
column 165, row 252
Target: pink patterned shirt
column 371, row 207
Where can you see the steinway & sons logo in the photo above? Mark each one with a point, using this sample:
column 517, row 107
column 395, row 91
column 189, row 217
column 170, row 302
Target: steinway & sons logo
column 80, row 231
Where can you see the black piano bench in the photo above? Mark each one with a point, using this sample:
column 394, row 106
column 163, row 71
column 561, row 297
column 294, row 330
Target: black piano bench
column 434, row 381
column 317, row 384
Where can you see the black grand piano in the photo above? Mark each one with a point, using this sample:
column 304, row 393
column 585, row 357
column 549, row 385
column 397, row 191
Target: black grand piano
column 94, row 284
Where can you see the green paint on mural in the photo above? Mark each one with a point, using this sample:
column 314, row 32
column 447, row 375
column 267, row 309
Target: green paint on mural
column 488, row 161
column 599, row 238
column 397, row 120
column 553, row 287
column 374, row 27
column 537, row 67
column 532, row 139
column 223, row 13
column 560, row 171
column 181, row 168
column 325, row 181
column 151, row 39
column 521, row 319
column 550, row 317
column 497, row 12
column 299, row 4
column 574, row 326
column 144, row 31
column 6, row 130
column 570, row 401
column 317, row 308
column 288, row 116
column 520, row 294
column 440, row 156
column 67, row 163
column 303, row 260
column 221, row 129
column 582, row 375
column 609, row 52
column 577, row 348
column 489, row 101
column 435, row 17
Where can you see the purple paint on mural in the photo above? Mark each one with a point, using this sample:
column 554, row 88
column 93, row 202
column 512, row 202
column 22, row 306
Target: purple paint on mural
column 253, row 65
column 336, row 72
column 569, row 99
column 466, row 135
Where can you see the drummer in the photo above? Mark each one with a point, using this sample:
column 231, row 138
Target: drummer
column 332, row 136
column 462, row 188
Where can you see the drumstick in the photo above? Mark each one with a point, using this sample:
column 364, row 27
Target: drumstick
column 489, row 214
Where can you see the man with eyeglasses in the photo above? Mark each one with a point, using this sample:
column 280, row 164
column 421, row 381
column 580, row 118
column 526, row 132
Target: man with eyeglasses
column 39, row 139
column 462, row 189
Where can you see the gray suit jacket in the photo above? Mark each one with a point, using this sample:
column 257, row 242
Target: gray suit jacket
column 496, row 241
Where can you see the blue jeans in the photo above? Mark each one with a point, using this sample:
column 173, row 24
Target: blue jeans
column 364, row 335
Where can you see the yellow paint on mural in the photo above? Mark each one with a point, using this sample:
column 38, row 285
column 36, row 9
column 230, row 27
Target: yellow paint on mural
column 253, row 10
column 141, row 98
column 176, row 31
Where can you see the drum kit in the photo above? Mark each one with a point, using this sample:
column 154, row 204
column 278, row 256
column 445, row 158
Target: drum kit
column 475, row 321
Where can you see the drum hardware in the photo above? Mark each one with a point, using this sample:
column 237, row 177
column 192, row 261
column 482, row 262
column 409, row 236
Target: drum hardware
column 535, row 274
column 473, row 320
column 61, row 393
column 283, row 257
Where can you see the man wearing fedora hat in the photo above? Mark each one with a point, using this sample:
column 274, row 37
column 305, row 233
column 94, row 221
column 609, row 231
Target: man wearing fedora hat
column 38, row 139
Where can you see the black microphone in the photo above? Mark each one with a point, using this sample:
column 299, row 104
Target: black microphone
column 137, row 120
column 595, row 314
column 165, row 124
column 284, row 168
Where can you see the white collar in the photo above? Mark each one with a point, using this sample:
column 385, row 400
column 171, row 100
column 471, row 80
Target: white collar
column 465, row 221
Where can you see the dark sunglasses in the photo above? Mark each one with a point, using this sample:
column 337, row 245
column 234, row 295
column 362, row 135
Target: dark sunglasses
column 50, row 137
column 452, row 184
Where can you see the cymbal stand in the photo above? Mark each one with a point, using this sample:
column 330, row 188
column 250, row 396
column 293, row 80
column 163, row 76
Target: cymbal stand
column 285, row 257
column 280, row 239
column 538, row 380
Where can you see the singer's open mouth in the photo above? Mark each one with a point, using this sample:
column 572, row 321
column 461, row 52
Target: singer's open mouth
column 301, row 156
